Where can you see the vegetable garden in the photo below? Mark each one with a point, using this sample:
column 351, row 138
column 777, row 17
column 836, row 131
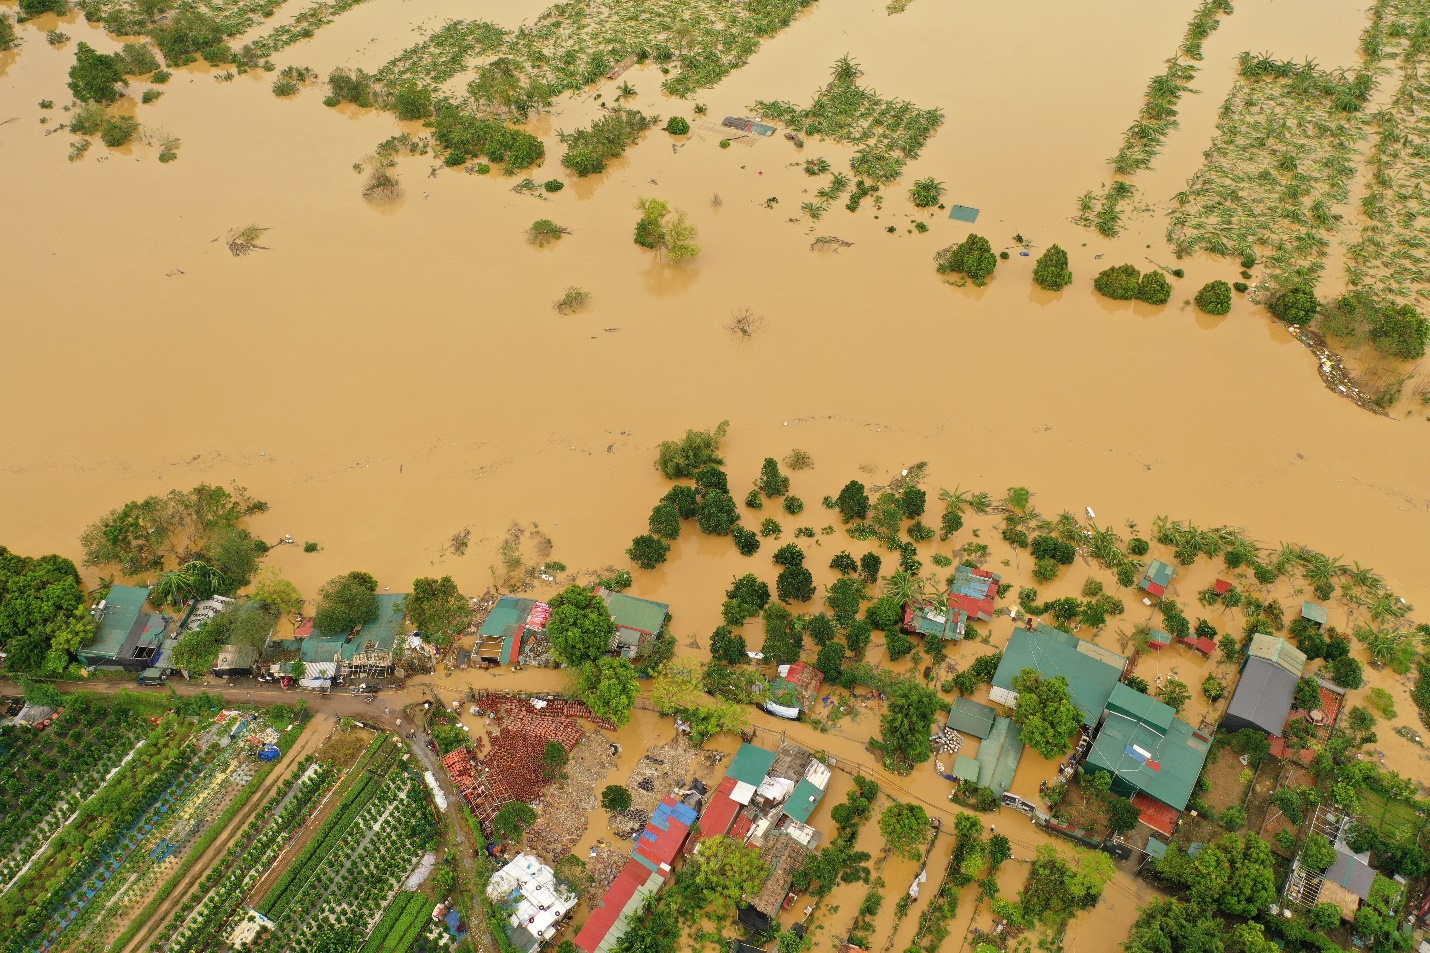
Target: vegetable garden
column 339, row 884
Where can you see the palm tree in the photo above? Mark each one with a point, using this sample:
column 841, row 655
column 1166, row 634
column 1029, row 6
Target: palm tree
column 1386, row 606
column 846, row 71
column 206, row 579
column 173, row 588
column 626, row 91
column 979, row 503
column 1320, row 572
column 1287, row 557
column 1359, row 581
column 903, row 586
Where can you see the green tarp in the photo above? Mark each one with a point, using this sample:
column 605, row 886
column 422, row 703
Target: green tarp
column 963, row 213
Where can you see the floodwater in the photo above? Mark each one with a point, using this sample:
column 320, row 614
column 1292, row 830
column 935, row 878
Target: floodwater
column 388, row 375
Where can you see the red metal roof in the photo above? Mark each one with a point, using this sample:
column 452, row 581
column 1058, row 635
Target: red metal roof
column 1156, row 588
column 305, row 628
column 1202, row 644
column 631, row 878
column 1221, row 586
column 742, row 827
column 1156, row 815
column 720, row 814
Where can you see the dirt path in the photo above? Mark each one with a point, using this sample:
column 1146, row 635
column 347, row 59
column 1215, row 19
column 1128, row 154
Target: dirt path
column 312, row 736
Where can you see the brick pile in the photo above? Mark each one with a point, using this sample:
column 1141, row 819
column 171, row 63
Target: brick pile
column 505, row 705
column 512, row 768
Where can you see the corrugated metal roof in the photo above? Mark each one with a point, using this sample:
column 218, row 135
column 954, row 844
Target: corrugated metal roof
column 509, row 610
column 1277, row 651
column 1351, row 872
column 1262, row 699
column 1316, row 613
column 971, row 717
column 1134, row 704
column 1163, row 762
column 121, row 612
column 633, row 613
column 966, row 768
column 1090, row 679
column 750, row 764
column 803, row 800
column 999, row 754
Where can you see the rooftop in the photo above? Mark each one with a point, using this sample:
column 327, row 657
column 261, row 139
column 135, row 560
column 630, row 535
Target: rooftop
column 1151, row 752
column 1352, row 873
column 971, row 717
column 377, row 636
column 1090, row 679
column 1263, row 697
column 1316, row 613
column 629, row 612
column 751, row 764
column 999, row 754
column 1157, row 577
column 1279, row 652
column 123, row 612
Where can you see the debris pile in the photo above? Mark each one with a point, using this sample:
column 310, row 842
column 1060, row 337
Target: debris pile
column 947, row 741
column 566, row 807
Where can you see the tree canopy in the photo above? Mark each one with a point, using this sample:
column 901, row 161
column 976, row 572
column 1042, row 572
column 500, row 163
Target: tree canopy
column 1232, row 874
column 608, row 687
column 246, row 624
column 1045, row 713
column 729, row 870
column 905, row 828
column 95, row 77
column 438, row 609
column 580, row 627
column 698, row 448
column 907, row 724
column 141, row 535
column 43, row 621
column 346, row 602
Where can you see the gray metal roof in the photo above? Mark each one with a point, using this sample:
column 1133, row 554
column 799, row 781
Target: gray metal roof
column 1352, row 873
column 1263, row 697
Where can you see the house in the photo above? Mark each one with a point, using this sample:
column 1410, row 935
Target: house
column 970, row 598
column 1265, row 693
column 971, row 718
column 794, row 690
column 999, row 754
column 369, row 647
column 500, row 638
column 637, row 620
column 644, row 874
column 128, row 637
column 1157, row 639
column 1157, row 578
column 1091, row 671
column 235, row 661
column 1315, row 614
column 1147, row 749
column 534, row 901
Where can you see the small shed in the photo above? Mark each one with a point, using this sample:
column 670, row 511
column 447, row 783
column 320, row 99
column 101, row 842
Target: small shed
column 1278, row 652
column 1314, row 613
column 1157, row 639
column 966, row 768
column 999, row 754
column 1157, row 577
column 971, row 718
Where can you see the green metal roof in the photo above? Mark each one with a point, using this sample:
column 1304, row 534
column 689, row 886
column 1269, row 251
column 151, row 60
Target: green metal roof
column 971, row 718
column 1090, row 680
column 751, row 764
column 1158, row 573
column 633, row 613
column 1277, row 651
column 508, row 611
column 121, row 610
column 1133, row 704
column 966, row 768
column 1316, row 613
column 804, row 799
column 1166, row 767
column 999, row 754
column 381, row 632
column 1156, row 849
column 925, row 619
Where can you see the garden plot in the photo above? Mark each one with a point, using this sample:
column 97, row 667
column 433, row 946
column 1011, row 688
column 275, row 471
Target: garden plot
column 308, row 21
column 573, row 45
column 337, row 887
column 46, row 775
column 888, row 132
column 205, row 914
column 133, row 17
column 1282, row 158
column 222, row 763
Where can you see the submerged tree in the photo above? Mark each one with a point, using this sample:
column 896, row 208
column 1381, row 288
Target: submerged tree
column 927, row 192
column 1051, row 272
column 665, row 231
column 972, row 257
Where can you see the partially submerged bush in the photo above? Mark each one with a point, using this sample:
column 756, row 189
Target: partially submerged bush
column 677, row 126
column 1051, row 272
column 574, row 299
column 349, row 86
column 1154, row 288
column 1295, row 305
column 544, row 231
column 87, row 119
column 95, row 77
column 183, row 35
column 136, row 59
column 150, row 95
column 454, row 130
column 411, row 101
column 29, row 9
column 972, row 257
column 665, row 230
column 1119, row 282
column 926, row 192
column 588, row 150
column 553, row 185
column 118, row 130
column 1215, row 297
column 8, row 39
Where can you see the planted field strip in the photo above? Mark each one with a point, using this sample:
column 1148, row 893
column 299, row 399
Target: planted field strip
column 1282, row 158
column 573, row 45
column 350, row 872
column 1143, row 139
column 309, row 21
column 400, row 925
column 129, row 17
column 159, row 842
column 202, row 919
column 888, row 132
column 1391, row 256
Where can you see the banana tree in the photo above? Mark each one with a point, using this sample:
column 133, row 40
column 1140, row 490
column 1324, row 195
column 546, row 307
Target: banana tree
column 173, row 588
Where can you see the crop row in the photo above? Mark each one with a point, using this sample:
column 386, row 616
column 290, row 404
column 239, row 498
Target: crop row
column 224, row 888
column 399, row 926
column 312, row 855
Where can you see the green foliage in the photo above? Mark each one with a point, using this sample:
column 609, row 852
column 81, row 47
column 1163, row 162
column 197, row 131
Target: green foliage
column 716, row 513
column 1214, row 298
column 608, row 687
column 438, row 609
column 580, row 627
column 1046, row 713
column 459, row 131
column 648, row 552
column 95, row 77
column 927, row 192
column 1347, row 672
column 1120, row 282
column 728, row 870
column 972, row 257
column 795, row 583
column 677, row 126
column 783, row 639
column 351, row 86
column 8, row 38
column 136, row 59
column 43, row 621
column 512, row 820
column 1174, row 693
column 852, row 502
column 588, row 150
column 1154, row 288
column 793, row 505
column 905, row 827
column 346, row 602
column 615, row 798
column 245, row 624
column 1122, row 815
column 411, row 101
column 1051, row 272
column 1317, row 852
column 664, row 521
column 907, row 724
column 1233, row 874
column 665, row 230
column 747, row 542
column 771, row 482
column 727, row 646
column 184, row 34
column 1213, row 688
column 1308, row 694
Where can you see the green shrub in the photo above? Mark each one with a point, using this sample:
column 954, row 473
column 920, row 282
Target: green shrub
column 7, row 33
column 411, row 101
column 136, row 59
column 349, row 86
column 95, row 77
column 1051, row 272
column 1154, row 288
column 927, row 192
column 1120, row 282
column 588, row 150
column 1178, row 273
column 1295, row 305
column 288, row 87
column 477, row 137
column 87, row 119
column 1215, row 297
column 161, row 77
column 1400, row 331
column 150, row 95
column 553, row 185
column 677, row 126
column 972, row 257
column 34, row 8
column 217, row 54
column 793, row 505
column 1240, row 287
column 118, row 130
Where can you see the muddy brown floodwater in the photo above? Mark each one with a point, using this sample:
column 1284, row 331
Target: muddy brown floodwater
column 386, row 376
